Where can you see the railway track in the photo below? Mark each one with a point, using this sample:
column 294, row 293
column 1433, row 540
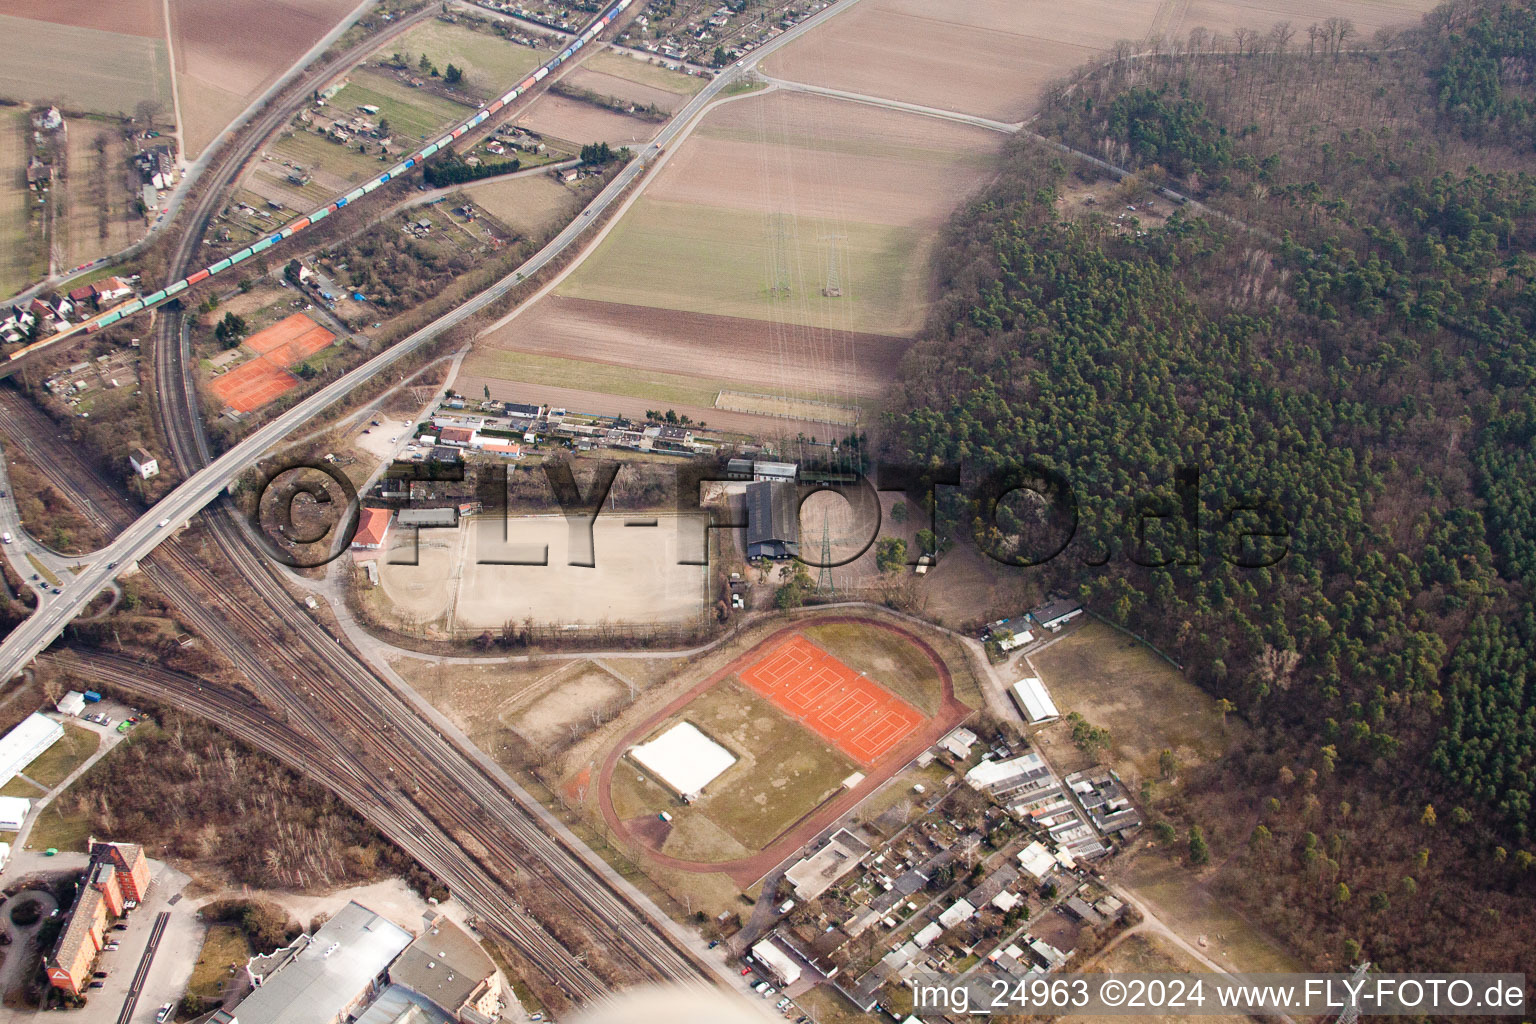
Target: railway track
column 335, row 768
column 274, row 670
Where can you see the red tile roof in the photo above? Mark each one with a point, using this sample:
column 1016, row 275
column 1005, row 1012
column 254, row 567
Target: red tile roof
column 372, row 525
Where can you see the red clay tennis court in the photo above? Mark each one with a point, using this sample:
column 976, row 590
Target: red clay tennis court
column 290, row 340
column 253, row 384
column 857, row 715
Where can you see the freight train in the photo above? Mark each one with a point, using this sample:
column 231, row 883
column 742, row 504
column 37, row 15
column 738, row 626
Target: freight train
column 133, row 306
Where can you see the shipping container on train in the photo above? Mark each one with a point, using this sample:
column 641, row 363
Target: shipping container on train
column 114, row 315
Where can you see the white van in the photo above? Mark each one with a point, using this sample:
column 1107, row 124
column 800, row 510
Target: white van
column 6, row 537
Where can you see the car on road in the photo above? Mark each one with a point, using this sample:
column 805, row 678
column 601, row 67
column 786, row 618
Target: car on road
column 6, row 537
column 164, row 523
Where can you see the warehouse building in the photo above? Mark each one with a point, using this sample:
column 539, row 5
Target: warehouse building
column 325, row 978
column 1032, row 698
column 23, row 744
column 430, row 518
column 773, row 520
column 13, row 812
column 684, row 759
column 447, row 966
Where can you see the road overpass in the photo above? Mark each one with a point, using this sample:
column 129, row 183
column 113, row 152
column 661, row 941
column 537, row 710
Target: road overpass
column 176, row 509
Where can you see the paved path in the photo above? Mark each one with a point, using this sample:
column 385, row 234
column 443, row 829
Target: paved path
column 22, row 861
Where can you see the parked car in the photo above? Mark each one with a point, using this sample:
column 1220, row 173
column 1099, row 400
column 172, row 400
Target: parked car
column 164, row 1013
column 96, row 984
column 119, row 927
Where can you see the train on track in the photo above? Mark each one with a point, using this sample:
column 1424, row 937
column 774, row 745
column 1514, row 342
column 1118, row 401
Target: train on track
column 126, row 309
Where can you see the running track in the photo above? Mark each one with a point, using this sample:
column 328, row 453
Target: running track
column 745, row 871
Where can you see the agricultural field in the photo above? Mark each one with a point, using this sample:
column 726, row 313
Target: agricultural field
column 21, row 254
column 995, row 57
column 529, row 205
column 578, row 122
column 42, row 63
column 719, row 352
column 782, row 773
column 100, row 195
column 479, row 577
column 609, row 65
column 1147, row 705
column 330, row 166
column 794, row 209
column 491, row 64
column 227, row 54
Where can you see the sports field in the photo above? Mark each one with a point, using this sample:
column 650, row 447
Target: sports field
column 488, row 572
column 491, row 64
column 782, row 773
column 253, row 384
column 850, row 710
column 44, row 62
column 290, row 340
column 813, row 735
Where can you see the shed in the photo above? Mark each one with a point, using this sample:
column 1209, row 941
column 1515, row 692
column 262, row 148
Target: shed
column 72, row 703
column 427, row 517
column 1031, row 696
column 773, row 520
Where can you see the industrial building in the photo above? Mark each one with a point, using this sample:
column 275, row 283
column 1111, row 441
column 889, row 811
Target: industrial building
column 118, row 872
column 773, row 520
column 1053, row 615
column 447, row 966
column 23, row 744
column 428, row 518
column 815, row 874
column 13, row 812
column 1034, row 701
column 327, row 977
column 684, row 759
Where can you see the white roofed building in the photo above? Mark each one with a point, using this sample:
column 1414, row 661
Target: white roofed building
column 1033, row 699
column 72, row 703
column 22, row 745
column 13, row 812
column 779, row 963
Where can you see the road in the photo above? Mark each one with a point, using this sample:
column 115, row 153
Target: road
column 253, row 137
column 142, row 971
column 177, row 508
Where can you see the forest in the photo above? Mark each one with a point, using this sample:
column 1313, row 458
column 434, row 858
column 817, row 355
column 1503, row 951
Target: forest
column 1345, row 356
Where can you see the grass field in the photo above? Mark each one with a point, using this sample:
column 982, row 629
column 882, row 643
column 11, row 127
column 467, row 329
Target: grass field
column 54, row 764
column 43, row 62
column 413, row 114
column 1146, row 704
column 526, row 205
column 101, row 218
column 1146, row 953
column 681, row 256
column 224, row 947
column 491, row 65
column 1179, row 901
column 21, row 787
column 609, row 63
column 54, row 828
column 21, row 258
column 782, row 772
